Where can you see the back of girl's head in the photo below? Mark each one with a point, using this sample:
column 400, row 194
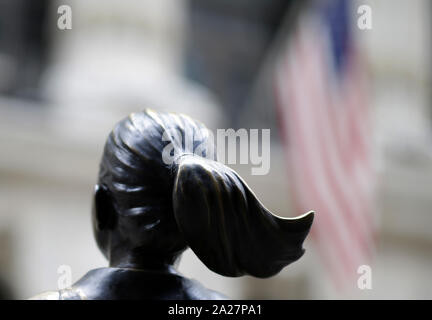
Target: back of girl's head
column 170, row 192
column 133, row 166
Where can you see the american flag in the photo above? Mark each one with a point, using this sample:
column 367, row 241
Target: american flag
column 323, row 113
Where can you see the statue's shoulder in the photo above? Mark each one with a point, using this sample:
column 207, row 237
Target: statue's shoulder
column 49, row 295
column 65, row 294
column 194, row 290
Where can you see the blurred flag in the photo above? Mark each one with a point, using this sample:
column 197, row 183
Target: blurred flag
column 323, row 113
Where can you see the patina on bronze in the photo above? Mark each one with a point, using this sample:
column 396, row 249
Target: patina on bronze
column 147, row 212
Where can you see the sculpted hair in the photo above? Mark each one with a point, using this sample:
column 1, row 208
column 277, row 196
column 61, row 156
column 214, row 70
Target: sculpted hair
column 215, row 212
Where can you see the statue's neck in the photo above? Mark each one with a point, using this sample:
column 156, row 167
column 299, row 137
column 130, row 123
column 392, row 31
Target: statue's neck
column 129, row 260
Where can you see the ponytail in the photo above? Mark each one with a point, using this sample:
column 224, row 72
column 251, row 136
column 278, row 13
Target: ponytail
column 193, row 201
column 227, row 227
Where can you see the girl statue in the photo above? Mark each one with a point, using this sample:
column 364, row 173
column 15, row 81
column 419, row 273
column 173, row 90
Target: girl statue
column 158, row 194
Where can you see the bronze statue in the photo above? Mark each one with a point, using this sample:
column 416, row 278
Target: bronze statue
column 147, row 212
